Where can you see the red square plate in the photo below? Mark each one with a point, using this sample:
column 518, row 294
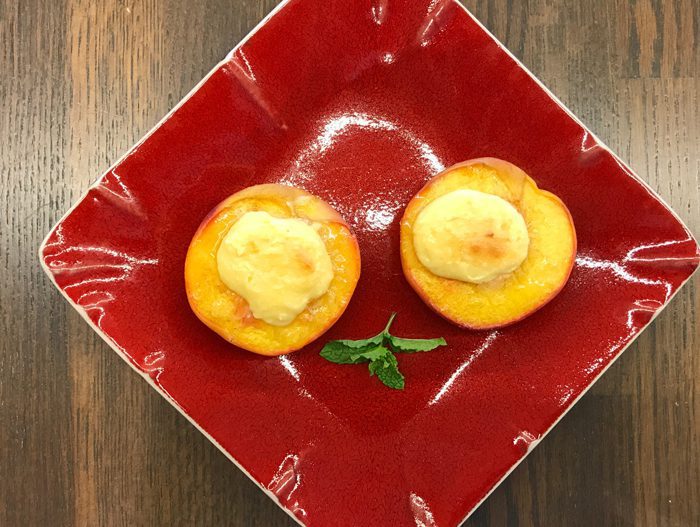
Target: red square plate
column 361, row 102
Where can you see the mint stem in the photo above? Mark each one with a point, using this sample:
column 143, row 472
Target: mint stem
column 388, row 325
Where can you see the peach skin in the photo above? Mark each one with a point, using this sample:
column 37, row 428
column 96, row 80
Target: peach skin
column 228, row 313
column 548, row 255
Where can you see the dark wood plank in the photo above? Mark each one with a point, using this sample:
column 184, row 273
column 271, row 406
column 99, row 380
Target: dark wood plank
column 84, row 441
column 36, row 461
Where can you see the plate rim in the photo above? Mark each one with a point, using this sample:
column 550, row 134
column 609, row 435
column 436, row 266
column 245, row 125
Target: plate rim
column 124, row 356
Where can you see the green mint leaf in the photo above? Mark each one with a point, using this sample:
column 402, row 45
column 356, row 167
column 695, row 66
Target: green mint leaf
column 350, row 351
column 386, row 369
column 362, row 343
column 415, row 345
column 377, row 352
column 373, row 354
column 336, row 351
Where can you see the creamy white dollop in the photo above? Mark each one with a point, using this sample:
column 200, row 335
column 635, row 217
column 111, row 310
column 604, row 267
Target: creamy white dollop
column 278, row 265
column 470, row 236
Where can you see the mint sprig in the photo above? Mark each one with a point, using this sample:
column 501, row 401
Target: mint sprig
column 379, row 352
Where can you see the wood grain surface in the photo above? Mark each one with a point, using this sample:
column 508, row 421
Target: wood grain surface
column 84, row 441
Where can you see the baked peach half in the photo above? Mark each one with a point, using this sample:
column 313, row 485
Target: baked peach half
column 484, row 246
column 271, row 268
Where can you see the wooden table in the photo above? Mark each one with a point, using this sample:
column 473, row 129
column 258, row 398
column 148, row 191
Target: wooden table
column 84, row 441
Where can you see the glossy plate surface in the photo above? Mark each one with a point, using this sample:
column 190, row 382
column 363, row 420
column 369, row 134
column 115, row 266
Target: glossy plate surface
column 360, row 103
